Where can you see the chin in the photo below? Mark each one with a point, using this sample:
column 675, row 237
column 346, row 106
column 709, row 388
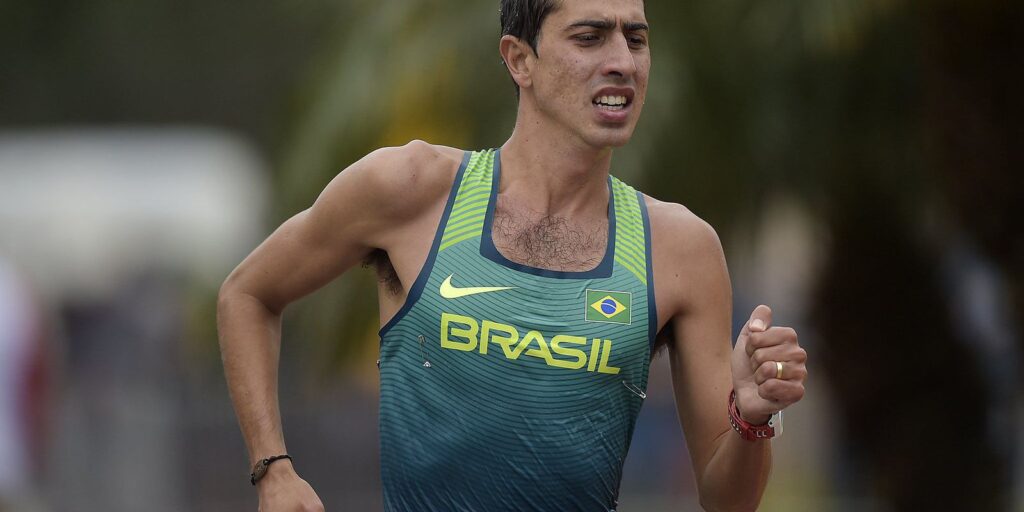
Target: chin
column 614, row 139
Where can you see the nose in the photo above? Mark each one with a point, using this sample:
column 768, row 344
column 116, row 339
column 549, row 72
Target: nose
column 620, row 60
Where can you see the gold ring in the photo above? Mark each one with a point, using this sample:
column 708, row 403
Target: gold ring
column 778, row 370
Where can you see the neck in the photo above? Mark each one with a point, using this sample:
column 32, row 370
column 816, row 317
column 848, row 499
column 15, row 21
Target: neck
column 549, row 174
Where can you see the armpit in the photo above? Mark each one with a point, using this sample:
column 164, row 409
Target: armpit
column 666, row 335
column 381, row 263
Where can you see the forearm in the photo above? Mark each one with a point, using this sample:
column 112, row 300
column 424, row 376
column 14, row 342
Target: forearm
column 737, row 474
column 250, row 340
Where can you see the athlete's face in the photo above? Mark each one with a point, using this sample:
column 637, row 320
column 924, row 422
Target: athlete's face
column 591, row 72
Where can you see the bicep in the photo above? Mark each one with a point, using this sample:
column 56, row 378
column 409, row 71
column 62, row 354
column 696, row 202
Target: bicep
column 317, row 244
column 700, row 349
column 293, row 261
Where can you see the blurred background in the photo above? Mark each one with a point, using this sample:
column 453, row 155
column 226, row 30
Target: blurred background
column 860, row 159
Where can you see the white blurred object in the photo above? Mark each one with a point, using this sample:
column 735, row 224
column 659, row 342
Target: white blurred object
column 83, row 209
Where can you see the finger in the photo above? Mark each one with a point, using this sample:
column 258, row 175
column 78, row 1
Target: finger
column 771, row 337
column 770, row 370
column 758, row 322
column 785, row 353
column 760, row 319
column 781, row 393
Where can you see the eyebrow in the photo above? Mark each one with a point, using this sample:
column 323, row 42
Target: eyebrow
column 629, row 26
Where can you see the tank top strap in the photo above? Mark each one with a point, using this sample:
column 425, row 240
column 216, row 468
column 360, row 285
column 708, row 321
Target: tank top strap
column 466, row 220
column 630, row 235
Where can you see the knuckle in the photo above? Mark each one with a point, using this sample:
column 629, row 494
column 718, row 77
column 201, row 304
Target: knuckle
column 798, row 394
column 794, row 393
column 760, row 375
column 800, row 355
column 788, row 333
column 755, row 340
column 758, row 357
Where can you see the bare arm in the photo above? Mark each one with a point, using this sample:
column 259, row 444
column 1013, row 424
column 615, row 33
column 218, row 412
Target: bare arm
column 346, row 222
column 732, row 473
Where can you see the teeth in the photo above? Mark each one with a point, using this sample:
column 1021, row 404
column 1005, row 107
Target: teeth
column 612, row 100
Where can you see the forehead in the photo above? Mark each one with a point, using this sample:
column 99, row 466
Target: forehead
column 570, row 11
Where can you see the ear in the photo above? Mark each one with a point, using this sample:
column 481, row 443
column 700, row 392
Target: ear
column 519, row 59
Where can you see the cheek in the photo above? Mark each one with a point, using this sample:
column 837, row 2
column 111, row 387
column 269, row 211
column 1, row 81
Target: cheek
column 643, row 73
column 566, row 79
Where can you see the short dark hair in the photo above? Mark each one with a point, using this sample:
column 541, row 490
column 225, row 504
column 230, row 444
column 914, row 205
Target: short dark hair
column 523, row 18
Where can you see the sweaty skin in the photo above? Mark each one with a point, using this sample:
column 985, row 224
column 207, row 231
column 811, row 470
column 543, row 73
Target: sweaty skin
column 555, row 163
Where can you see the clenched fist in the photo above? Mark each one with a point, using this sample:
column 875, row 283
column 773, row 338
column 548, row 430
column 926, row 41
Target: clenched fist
column 281, row 490
column 768, row 368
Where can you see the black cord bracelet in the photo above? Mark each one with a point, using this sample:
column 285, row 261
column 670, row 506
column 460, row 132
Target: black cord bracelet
column 260, row 468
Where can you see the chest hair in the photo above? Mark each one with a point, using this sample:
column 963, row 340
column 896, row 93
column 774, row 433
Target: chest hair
column 547, row 241
column 528, row 238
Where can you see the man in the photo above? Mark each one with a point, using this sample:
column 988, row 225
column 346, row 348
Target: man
column 520, row 314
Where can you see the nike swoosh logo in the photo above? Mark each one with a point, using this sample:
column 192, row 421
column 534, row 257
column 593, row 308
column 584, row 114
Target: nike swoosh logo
column 450, row 292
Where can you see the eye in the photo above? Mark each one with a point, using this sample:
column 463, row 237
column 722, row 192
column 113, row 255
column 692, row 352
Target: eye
column 637, row 41
column 589, row 37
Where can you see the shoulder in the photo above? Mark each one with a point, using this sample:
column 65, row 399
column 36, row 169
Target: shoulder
column 677, row 231
column 416, row 163
column 384, row 191
column 394, row 182
column 687, row 255
column 402, row 178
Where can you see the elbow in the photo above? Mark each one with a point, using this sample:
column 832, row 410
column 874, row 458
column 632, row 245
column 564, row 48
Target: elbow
column 238, row 285
column 738, row 505
column 238, row 312
column 707, row 507
column 733, row 498
column 237, row 297
column 225, row 297
column 704, row 505
column 230, row 299
column 229, row 289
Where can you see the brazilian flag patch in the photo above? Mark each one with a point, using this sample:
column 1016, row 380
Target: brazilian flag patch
column 607, row 306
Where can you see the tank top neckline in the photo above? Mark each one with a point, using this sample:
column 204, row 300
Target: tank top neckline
column 490, row 251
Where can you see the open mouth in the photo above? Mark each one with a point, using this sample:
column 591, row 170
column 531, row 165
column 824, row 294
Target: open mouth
column 612, row 103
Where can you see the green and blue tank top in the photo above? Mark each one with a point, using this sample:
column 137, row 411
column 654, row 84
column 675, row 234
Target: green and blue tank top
column 511, row 388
